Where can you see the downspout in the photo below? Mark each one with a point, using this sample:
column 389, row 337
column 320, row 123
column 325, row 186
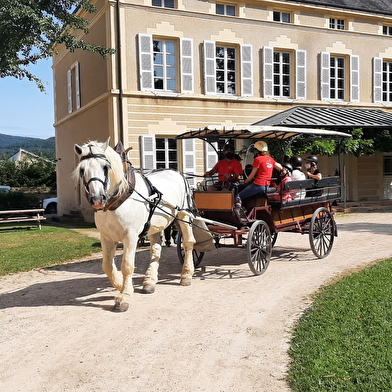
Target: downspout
column 120, row 81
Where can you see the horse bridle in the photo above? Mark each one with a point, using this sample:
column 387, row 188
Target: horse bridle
column 105, row 170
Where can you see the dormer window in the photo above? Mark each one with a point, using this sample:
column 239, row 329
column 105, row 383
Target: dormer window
column 163, row 3
column 337, row 24
column 225, row 9
column 284, row 17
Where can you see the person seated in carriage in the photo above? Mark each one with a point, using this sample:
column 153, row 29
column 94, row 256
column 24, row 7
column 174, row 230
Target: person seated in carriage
column 229, row 170
column 281, row 194
column 260, row 177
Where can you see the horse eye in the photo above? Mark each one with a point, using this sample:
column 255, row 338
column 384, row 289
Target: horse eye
column 81, row 173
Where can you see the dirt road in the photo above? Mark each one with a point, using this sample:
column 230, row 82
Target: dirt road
column 228, row 332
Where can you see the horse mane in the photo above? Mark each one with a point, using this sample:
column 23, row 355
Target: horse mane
column 116, row 173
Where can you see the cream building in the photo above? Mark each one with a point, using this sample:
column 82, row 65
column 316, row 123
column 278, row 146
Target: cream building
column 184, row 64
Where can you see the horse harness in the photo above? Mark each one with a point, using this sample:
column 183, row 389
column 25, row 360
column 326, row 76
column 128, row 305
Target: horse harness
column 114, row 201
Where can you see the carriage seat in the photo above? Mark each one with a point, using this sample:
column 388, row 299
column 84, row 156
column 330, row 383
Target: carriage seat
column 308, row 191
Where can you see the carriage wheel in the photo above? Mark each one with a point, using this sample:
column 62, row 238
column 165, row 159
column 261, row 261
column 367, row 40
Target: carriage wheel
column 321, row 232
column 274, row 237
column 197, row 256
column 259, row 247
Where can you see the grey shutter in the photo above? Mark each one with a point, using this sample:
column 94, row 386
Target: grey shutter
column 300, row 60
column 325, row 73
column 146, row 63
column 377, row 79
column 189, row 159
column 354, row 79
column 77, row 85
column 147, row 143
column 268, row 74
column 246, row 71
column 186, row 48
column 69, row 90
column 209, row 68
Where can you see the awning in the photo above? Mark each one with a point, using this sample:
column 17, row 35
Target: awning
column 329, row 117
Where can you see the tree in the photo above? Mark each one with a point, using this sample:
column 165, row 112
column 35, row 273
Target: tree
column 30, row 30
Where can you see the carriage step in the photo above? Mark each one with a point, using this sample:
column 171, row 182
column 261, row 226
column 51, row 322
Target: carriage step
column 241, row 214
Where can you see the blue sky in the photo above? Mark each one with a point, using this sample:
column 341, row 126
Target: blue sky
column 24, row 110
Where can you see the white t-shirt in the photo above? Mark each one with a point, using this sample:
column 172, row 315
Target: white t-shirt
column 297, row 175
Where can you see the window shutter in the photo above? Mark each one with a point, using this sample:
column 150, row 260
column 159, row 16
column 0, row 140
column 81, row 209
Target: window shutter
column 354, row 79
column 268, row 59
column 146, row 64
column 210, row 155
column 209, row 68
column 246, row 71
column 77, row 85
column 325, row 72
column 189, row 159
column 186, row 48
column 69, row 90
column 148, row 152
column 377, row 79
column 300, row 59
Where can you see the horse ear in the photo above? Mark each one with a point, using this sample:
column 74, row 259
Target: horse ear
column 78, row 149
column 106, row 144
column 119, row 148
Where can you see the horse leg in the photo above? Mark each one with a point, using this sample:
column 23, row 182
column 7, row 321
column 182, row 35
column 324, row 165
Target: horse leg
column 151, row 277
column 121, row 302
column 188, row 241
column 108, row 264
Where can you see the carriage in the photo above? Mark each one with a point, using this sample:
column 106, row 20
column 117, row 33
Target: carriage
column 309, row 212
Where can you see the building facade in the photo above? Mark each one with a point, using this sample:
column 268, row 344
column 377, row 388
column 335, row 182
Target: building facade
column 185, row 64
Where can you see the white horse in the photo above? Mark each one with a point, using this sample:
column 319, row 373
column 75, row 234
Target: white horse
column 122, row 207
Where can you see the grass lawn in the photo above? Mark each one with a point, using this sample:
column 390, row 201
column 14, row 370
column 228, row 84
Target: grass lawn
column 24, row 250
column 342, row 343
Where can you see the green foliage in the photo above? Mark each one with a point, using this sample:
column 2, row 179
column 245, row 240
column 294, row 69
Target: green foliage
column 23, row 250
column 17, row 200
column 36, row 173
column 342, row 342
column 31, row 29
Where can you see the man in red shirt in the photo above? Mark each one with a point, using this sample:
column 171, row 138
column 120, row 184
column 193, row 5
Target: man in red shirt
column 229, row 170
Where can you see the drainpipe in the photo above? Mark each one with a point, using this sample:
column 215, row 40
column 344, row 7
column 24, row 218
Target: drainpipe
column 119, row 72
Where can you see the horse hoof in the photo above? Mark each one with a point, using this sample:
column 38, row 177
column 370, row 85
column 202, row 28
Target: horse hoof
column 120, row 307
column 185, row 282
column 148, row 289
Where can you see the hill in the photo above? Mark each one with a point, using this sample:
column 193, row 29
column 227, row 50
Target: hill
column 10, row 145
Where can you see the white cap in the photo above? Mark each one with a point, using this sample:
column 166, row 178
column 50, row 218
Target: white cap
column 261, row 146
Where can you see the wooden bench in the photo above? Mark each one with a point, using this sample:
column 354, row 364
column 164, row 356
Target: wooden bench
column 17, row 216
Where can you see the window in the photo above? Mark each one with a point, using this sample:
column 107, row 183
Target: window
column 387, row 166
column 284, row 73
column 166, row 65
column 162, row 152
column 225, row 9
column 387, row 81
column 337, row 24
column 73, row 88
column 163, row 3
column 387, row 30
column 228, row 69
column 339, row 77
column 281, row 17
column 166, row 153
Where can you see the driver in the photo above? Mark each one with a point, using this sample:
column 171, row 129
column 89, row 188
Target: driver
column 229, row 170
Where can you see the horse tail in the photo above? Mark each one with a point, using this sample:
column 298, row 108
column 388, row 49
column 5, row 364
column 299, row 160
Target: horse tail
column 189, row 200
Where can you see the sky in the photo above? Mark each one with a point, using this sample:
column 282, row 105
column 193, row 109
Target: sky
column 24, row 109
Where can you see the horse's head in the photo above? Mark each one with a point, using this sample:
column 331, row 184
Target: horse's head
column 100, row 169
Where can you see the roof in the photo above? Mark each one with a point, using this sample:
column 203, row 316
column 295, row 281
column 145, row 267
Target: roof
column 329, row 117
column 372, row 6
column 213, row 133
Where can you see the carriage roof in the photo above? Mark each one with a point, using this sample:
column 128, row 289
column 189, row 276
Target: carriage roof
column 213, row 133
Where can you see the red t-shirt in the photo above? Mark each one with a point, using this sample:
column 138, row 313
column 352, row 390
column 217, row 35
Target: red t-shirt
column 227, row 167
column 265, row 164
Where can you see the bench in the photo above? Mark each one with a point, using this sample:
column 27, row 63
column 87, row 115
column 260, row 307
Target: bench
column 307, row 191
column 17, row 216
